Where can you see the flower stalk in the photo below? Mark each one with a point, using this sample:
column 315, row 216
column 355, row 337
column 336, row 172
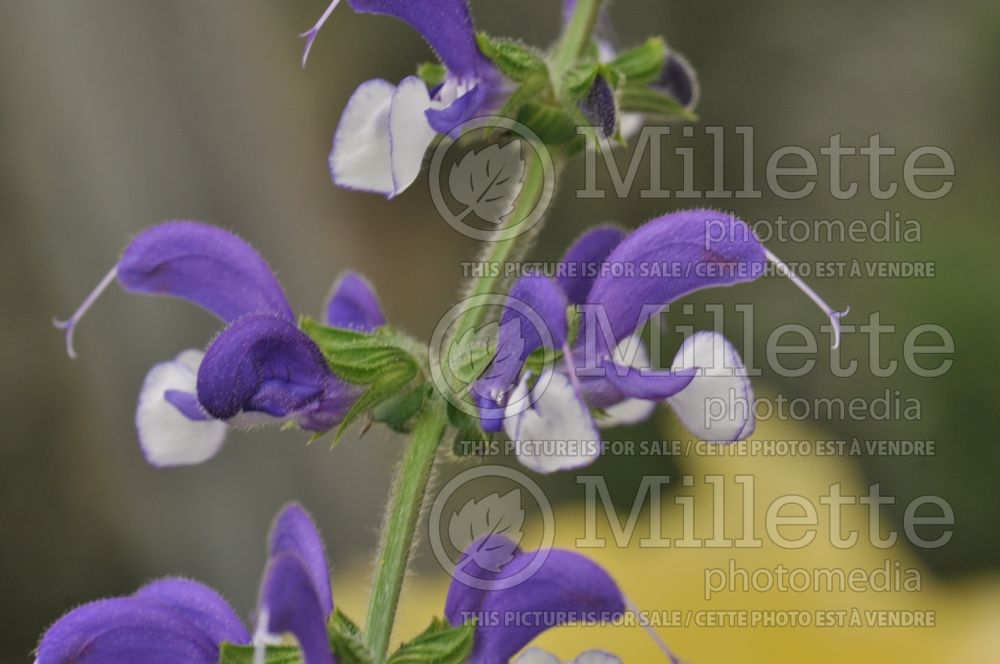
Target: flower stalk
column 410, row 487
column 498, row 252
column 400, row 526
column 575, row 37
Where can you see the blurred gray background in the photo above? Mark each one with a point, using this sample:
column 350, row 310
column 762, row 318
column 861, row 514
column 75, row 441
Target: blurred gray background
column 118, row 114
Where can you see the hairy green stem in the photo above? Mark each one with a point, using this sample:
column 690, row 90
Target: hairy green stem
column 410, row 486
column 414, row 474
column 575, row 37
column 400, row 526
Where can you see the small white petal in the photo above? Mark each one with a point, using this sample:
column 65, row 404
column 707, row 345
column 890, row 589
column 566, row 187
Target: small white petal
column 630, row 352
column 630, row 123
column 167, row 436
column 556, row 432
column 409, row 132
column 718, row 404
column 536, row 656
column 191, row 359
column 629, row 411
column 362, row 155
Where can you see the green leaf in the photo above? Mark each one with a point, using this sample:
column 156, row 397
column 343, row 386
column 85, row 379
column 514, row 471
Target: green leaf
column 578, row 81
column 382, row 361
column 464, row 422
column 553, row 125
column 653, row 102
column 438, row 644
column 531, row 89
column 573, row 319
column 644, row 63
column 515, row 60
column 358, row 357
column 540, row 359
column 230, row 653
column 390, row 380
column 346, row 640
column 397, row 411
column 432, row 73
column 470, row 443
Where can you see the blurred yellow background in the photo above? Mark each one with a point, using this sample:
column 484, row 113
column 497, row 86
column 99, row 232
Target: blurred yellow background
column 966, row 615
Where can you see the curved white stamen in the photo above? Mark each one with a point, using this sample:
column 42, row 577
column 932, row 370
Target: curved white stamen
column 310, row 34
column 452, row 89
column 831, row 313
column 653, row 634
column 70, row 324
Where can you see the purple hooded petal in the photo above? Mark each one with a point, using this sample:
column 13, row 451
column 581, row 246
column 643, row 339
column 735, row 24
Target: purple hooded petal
column 639, row 384
column 566, row 587
column 289, row 605
column 126, row 630
column 581, row 264
column 666, row 259
column 535, row 315
column 200, row 263
column 445, row 24
column 294, row 532
column 598, row 106
column 204, row 264
column 460, row 111
column 265, row 364
column 200, row 604
column 679, row 80
column 353, row 304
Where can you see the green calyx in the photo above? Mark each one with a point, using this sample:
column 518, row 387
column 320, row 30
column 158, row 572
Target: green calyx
column 386, row 363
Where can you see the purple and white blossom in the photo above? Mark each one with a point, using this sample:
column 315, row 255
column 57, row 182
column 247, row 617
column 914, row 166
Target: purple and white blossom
column 603, row 377
column 178, row 620
column 261, row 368
column 385, row 129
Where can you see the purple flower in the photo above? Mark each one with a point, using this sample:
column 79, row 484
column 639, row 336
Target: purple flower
column 558, row 587
column 609, row 276
column 259, row 369
column 178, row 620
column 385, row 129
